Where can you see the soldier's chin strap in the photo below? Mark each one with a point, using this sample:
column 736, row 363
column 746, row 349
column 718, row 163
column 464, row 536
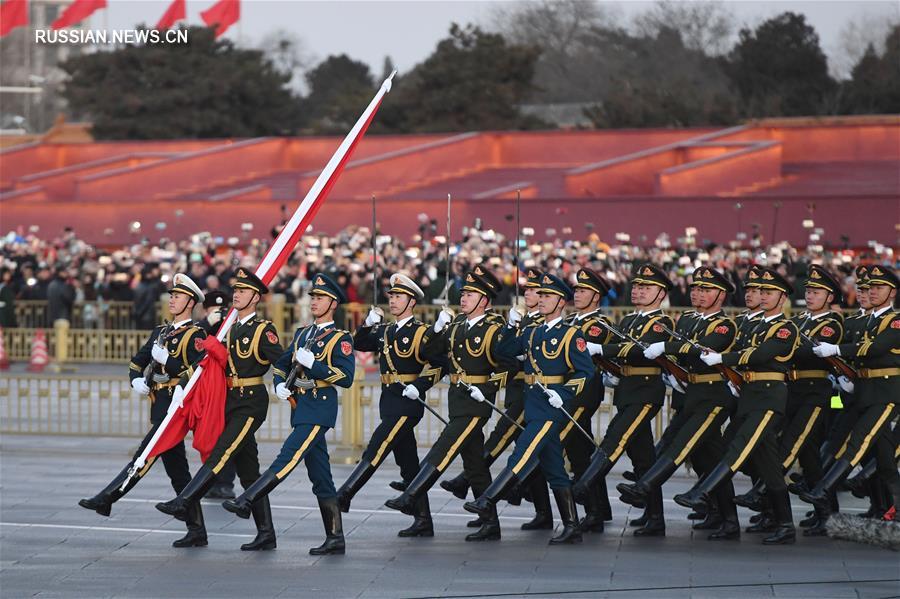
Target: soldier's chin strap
column 483, row 297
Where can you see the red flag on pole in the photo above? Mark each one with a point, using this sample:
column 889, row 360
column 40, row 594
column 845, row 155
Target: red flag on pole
column 222, row 15
column 77, row 12
column 176, row 12
column 208, row 379
column 13, row 13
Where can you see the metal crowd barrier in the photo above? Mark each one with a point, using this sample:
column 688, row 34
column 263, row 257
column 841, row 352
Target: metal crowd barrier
column 106, row 406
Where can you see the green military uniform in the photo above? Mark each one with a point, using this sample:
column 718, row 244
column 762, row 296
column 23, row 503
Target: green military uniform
column 467, row 351
column 505, row 432
column 877, row 392
column 638, row 396
column 252, row 347
column 764, row 360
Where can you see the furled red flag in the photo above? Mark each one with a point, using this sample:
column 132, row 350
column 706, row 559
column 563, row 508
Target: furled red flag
column 222, row 15
column 176, row 12
column 13, row 13
column 77, row 12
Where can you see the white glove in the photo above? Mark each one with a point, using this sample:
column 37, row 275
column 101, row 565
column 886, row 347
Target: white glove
column 411, row 392
column 845, row 384
column 140, row 386
column 443, row 319
column 178, row 396
column 514, row 317
column 672, row 382
column 826, row 350
column 734, row 390
column 711, row 358
column 476, row 393
column 215, row 317
column 610, row 380
column 554, row 399
column 282, row 391
column 160, row 354
column 595, row 349
column 304, row 357
column 520, row 357
column 374, row 316
column 655, row 350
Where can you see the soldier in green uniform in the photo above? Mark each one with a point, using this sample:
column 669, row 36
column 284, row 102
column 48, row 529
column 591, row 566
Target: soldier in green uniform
column 764, row 360
column 318, row 361
column 171, row 350
column 877, row 393
column 467, row 347
column 709, row 401
column 405, row 378
column 252, row 346
column 639, row 392
column 505, row 432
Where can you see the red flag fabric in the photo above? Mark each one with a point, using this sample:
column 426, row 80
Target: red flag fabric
column 77, row 12
column 13, row 13
column 204, row 406
column 222, row 15
column 176, row 12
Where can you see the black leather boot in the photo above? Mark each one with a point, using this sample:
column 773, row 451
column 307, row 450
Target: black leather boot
column 265, row 529
column 752, row 499
column 422, row 525
column 490, row 527
column 593, row 520
column 423, row 481
column 484, row 505
column 565, row 503
column 640, row 520
column 243, row 506
column 458, row 485
column 476, row 523
column 818, row 529
column 543, row 513
column 600, row 466
column 603, row 498
column 397, row 485
column 698, row 514
column 785, row 534
column 819, row 496
column 102, row 501
column 196, row 529
column 766, row 523
column 713, row 519
column 858, row 484
column 334, row 529
column 359, row 477
column 636, row 493
column 193, row 492
column 656, row 522
column 729, row 527
column 699, row 496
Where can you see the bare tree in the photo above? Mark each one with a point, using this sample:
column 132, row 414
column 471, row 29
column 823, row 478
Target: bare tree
column 704, row 25
column 856, row 36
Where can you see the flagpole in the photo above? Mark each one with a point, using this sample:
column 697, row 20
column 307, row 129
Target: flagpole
column 284, row 243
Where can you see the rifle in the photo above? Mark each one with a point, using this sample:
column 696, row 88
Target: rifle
column 666, row 363
column 495, row 408
column 731, row 375
column 840, row 367
column 571, row 419
column 149, row 372
column 291, row 380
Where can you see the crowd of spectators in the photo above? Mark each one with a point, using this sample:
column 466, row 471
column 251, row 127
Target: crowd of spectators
column 66, row 271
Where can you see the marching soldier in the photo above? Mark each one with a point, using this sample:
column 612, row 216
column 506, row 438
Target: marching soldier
column 318, row 360
column 170, row 351
column 639, row 392
column 764, row 358
column 708, row 403
column 252, row 346
column 401, row 406
column 469, row 344
column 505, row 432
column 557, row 368
column 876, row 396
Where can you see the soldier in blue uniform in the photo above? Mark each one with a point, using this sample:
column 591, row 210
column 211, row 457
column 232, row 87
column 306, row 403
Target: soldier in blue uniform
column 557, row 368
column 172, row 350
column 763, row 359
column 318, row 360
column 252, row 346
column 405, row 378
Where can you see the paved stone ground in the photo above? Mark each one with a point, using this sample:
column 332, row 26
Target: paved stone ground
column 49, row 547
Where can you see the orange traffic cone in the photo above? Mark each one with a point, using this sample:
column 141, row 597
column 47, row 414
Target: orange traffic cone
column 39, row 358
column 4, row 360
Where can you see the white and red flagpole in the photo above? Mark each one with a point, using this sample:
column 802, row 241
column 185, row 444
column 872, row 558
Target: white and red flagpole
column 280, row 250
